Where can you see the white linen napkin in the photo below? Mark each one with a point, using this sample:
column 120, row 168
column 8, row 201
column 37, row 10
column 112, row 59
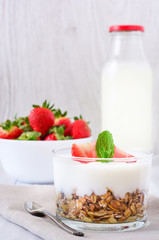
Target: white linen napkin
column 12, row 200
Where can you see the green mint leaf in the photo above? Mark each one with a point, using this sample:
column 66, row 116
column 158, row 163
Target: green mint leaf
column 105, row 145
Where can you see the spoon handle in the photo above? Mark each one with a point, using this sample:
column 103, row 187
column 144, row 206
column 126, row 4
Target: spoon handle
column 63, row 225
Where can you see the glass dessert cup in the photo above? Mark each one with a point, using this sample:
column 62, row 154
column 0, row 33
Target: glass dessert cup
column 102, row 196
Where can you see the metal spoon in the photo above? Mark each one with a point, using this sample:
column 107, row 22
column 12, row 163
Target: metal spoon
column 37, row 210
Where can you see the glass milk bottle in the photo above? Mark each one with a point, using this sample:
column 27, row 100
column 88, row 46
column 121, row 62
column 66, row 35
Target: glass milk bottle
column 127, row 89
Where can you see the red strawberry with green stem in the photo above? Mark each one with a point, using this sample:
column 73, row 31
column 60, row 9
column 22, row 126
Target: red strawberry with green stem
column 41, row 119
column 80, row 128
column 22, row 123
column 61, row 119
column 50, row 137
column 57, row 133
column 9, row 131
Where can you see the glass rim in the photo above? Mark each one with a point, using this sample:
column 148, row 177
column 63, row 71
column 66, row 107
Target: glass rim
column 147, row 155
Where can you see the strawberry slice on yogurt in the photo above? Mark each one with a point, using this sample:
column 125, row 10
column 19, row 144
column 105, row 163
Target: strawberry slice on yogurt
column 102, row 150
column 118, row 153
column 86, row 150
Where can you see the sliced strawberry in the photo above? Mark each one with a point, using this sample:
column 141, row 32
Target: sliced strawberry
column 86, row 150
column 118, row 153
column 50, row 137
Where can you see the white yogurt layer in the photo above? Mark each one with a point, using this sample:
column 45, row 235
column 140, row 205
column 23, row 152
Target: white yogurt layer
column 97, row 176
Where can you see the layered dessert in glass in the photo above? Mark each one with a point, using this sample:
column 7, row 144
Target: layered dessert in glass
column 111, row 193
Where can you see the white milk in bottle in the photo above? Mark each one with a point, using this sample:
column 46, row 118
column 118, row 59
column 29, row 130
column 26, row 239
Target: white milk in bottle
column 127, row 89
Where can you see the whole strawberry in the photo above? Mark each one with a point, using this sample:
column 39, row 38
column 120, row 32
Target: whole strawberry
column 9, row 131
column 57, row 133
column 68, row 125
column 41, row 119
column 80, row 129
column 50, row 137
column 61, row 119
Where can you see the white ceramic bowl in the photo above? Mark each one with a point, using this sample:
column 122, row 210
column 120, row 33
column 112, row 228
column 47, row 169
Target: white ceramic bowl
column 31, row 161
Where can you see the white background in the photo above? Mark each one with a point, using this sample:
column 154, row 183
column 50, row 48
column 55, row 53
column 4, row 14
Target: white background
column 55, row 50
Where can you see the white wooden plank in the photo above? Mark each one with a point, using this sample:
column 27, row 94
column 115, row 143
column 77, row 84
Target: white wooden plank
column 56, row 49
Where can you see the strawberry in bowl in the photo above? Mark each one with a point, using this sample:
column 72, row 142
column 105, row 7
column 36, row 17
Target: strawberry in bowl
column 26, row 143
column 41, row 119
column 9, row 131
column 45, row 123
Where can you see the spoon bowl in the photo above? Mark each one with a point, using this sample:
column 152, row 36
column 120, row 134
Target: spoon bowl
column 34, row 209
column 37, row 210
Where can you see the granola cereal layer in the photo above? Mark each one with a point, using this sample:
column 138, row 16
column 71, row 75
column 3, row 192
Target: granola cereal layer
column 102, row 208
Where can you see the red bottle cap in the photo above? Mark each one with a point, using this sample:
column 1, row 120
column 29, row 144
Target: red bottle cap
column 126, row 28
